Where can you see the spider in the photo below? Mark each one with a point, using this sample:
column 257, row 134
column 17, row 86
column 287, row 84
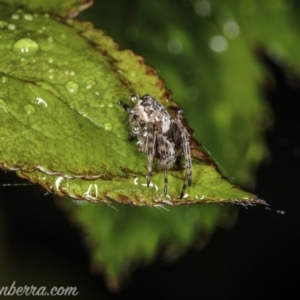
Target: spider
column 160, row 137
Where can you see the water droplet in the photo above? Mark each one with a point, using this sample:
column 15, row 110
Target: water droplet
column 29, row 109
column 107, row 126
column 90, row 84
column 25, row 46
column 51, row 77
column 40, row 101
column 102, row 105
column 218, row 43
column 110, row 105
column 27, row 17
column 50, row 60
column 4, row 79
column 72, row 87
column 15, row 16
column 3, row 106
column 51, row 70
column 72, row 73
column 97, row 93
column 3, row 24
column 12, row 27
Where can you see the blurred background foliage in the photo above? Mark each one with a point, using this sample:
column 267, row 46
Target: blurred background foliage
column 205, row 52
column 208, row 53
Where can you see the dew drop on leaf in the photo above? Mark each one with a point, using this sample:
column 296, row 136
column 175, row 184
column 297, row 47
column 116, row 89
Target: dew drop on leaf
column 90, row 84
column 25, row 46
column 72, row 87
column 4, row 79
column 40, row 101
column 107, row 126
column 29, row 109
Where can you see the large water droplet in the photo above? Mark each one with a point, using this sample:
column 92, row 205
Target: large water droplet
column 72, row 87
column 3, row 24
column 3, row 106
column 29, row 109
column 25, row 46
column 107, row 126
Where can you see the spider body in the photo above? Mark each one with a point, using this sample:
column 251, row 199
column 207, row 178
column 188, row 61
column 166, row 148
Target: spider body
column 160, row 137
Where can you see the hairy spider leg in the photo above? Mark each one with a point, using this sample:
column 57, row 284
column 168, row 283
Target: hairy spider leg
column 125, row 106
column 149, row 148
column 162, row 151
column 185, row 148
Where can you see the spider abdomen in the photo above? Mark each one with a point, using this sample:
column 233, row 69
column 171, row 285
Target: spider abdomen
column 160, row 137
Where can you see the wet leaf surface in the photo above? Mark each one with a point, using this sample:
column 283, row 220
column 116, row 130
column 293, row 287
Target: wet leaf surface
column 66, row 127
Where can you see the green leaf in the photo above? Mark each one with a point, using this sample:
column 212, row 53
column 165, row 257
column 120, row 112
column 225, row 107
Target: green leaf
column 66, row 8
column 60, row 86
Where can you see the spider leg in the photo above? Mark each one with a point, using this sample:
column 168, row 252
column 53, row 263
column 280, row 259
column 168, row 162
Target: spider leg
column 163, row 163
column 149, row 148
column 185, row 146
column 125, row 106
